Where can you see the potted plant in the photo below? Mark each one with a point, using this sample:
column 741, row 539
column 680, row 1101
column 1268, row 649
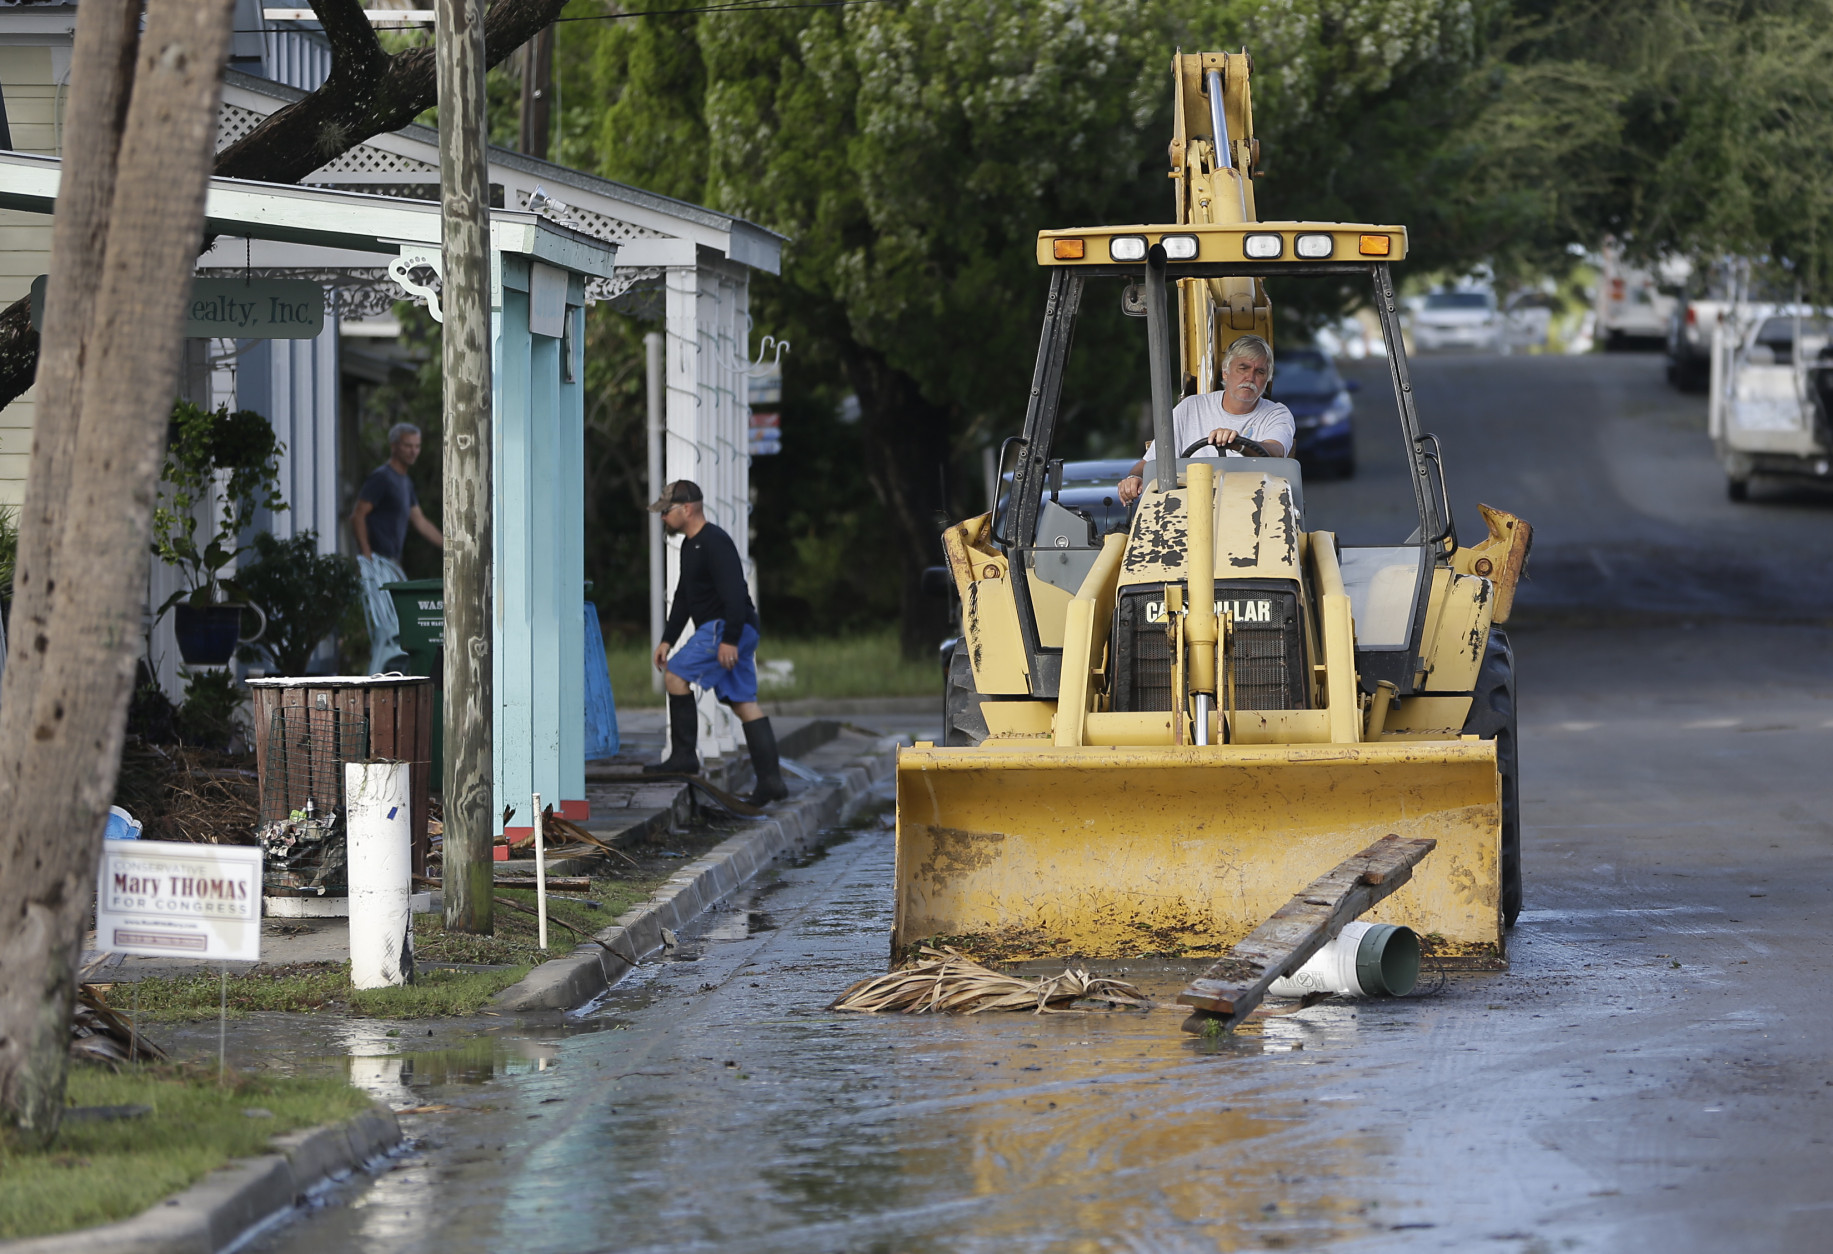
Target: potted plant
column 227, row 463
column 303, row 594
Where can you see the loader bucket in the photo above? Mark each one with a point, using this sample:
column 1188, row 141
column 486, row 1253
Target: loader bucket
column 1024, row 852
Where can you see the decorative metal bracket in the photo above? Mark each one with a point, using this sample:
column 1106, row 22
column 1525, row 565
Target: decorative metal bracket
column 401, row 271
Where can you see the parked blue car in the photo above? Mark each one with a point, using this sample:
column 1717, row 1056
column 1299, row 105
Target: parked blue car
column 1306, row 381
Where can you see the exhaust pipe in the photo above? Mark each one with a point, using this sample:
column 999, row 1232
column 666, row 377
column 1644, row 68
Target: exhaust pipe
column 1365, row 960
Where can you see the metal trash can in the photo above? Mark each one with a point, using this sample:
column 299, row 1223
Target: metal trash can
column 420, row 605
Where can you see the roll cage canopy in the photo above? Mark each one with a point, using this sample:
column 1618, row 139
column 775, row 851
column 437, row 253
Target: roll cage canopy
column 1211, row 252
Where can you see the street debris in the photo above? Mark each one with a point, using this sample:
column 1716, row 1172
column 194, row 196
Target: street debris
column 952, row 982
column 100, row 1033
column 186, row 794
column 1225, row 994
column 563, row 838
column 305, row 853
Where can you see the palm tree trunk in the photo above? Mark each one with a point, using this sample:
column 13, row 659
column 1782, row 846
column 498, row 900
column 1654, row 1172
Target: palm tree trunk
column 113, row 331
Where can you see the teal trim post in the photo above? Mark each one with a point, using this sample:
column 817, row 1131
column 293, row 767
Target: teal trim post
column 570, row 489
column 539, row 497
column 515, row 554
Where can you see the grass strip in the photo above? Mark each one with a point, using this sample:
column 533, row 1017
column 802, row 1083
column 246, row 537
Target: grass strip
column 870, row 664
column 321, row 987
column 516, row 933
column 101, row 1171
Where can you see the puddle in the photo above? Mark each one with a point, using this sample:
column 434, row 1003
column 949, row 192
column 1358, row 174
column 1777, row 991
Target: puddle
column 409, row 1077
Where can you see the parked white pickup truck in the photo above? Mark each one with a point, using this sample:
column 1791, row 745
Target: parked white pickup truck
column 1772, row 381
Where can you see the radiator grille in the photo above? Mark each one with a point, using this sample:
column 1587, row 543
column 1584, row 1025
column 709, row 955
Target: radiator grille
column 1267, row 649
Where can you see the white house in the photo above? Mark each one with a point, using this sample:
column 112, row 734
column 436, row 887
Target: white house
column 697, row 261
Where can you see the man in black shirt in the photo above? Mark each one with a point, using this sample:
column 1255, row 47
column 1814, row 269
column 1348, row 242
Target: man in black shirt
column 721, row 656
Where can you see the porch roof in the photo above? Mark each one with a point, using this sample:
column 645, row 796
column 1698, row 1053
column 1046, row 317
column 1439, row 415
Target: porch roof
column 377, row 225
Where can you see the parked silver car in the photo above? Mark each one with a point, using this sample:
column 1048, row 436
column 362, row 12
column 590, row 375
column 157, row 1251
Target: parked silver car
column 1464, row 318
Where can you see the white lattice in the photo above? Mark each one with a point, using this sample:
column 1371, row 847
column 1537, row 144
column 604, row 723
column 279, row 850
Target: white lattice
column 364, row 159
column 233, row 122
column 598, row 225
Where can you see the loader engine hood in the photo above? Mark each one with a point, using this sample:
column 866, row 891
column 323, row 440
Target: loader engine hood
column 1257, row 538
column 1257, row 524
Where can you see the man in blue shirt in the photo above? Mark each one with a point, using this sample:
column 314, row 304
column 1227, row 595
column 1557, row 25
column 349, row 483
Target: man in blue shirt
column 386, row 506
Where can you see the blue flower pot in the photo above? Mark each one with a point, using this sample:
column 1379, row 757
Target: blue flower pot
column 207, row 634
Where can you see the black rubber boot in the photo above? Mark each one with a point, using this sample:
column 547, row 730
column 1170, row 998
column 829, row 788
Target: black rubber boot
column 761, row 741
column 684, row 733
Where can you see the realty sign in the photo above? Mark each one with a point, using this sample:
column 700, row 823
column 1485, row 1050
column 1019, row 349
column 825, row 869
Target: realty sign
column 238, row 309
column 168, row 899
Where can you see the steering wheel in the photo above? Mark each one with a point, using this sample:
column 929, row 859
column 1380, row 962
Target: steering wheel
column 1240, row 444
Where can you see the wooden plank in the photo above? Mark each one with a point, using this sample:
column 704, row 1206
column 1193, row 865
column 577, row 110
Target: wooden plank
column 298, row 762
column 419, row 700
column 264, row 723
column 382, row 723
column 1230, row 989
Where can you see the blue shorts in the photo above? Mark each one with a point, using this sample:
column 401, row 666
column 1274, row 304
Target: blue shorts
column 697, row 661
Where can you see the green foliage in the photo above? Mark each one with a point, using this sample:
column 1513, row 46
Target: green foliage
column 210, row 716
column 303, row 592
column 1698, row 127
column 97, row 1172
column 865, row 664
column 911, row 152
column 210, row 451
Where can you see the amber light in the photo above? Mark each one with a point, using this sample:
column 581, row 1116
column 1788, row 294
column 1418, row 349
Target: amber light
column 1376, row 245
column 1068, row 249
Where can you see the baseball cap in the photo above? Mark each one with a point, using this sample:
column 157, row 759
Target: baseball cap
column 679, row 492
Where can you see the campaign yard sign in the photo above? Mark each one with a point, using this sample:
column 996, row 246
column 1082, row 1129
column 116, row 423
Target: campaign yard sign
column 168, row 899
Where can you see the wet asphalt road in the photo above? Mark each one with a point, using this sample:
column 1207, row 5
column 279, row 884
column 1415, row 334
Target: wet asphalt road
column 1652, row 1074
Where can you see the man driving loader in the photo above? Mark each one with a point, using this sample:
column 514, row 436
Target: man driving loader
column 1240, row 411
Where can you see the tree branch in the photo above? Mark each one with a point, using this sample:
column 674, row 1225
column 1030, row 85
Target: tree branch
column 368, row 92
column 350, row 32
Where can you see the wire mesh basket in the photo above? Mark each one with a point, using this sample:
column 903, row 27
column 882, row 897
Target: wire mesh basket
column 302, row 797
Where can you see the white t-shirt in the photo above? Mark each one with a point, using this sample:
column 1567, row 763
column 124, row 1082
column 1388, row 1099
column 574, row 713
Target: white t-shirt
column 1196, row 416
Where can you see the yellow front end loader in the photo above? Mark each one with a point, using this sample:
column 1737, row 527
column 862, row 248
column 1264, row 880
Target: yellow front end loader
column 1156, row 737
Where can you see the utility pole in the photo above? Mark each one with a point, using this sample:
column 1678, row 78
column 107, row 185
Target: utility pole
column 658, row 570
column 464, row 202
column 537, row 92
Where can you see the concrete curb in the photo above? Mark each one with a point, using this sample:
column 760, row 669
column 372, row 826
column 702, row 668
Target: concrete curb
column 565, row 983
column 231, row 1202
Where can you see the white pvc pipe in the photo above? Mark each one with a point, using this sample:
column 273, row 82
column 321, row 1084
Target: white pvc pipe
column 381, row 860
column 1365, row 960
column 540, row 873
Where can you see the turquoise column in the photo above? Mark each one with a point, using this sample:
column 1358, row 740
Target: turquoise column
column 571, row 573
column 546, row 549
column 515, row 553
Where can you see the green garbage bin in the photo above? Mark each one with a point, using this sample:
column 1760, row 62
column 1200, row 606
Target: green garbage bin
column 420, row 605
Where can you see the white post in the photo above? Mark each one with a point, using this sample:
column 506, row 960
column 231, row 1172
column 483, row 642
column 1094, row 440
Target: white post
column 540, row 874
column 658, row 568
column 989, row 468
column 381, row 873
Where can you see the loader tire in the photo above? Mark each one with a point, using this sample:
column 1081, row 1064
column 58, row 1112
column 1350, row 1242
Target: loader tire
column 963, row 725
column 1492, row 716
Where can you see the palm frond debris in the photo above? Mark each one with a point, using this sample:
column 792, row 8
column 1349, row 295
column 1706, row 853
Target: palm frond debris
column 946, row 980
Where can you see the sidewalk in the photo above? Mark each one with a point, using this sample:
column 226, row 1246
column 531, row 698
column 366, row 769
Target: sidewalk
column 627, row 811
